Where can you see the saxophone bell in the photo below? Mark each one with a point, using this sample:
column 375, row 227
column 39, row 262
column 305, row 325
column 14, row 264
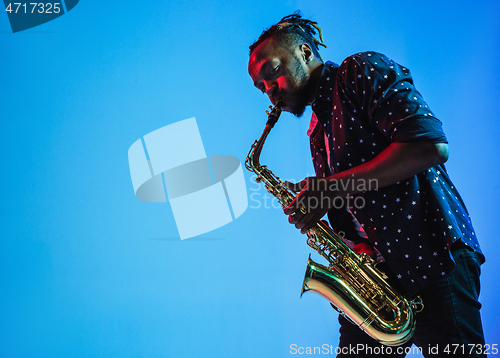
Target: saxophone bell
column 392, row 322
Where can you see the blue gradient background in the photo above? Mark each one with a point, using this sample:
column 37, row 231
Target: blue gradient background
column 87, row 270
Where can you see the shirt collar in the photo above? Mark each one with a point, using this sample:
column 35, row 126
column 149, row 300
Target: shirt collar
column 326, row 81
column 312, row 124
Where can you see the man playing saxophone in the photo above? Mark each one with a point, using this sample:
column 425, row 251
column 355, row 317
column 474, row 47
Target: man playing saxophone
column 370, row 123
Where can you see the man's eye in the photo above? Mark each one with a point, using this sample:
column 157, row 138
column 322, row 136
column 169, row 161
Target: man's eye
column 274, row 70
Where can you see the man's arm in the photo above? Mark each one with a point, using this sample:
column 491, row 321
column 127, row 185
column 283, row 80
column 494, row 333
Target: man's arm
column 399, row 161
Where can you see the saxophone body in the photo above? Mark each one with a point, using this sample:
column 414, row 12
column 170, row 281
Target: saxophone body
column 350, row 282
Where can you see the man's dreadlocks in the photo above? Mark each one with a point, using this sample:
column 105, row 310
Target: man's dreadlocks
column 292, row 29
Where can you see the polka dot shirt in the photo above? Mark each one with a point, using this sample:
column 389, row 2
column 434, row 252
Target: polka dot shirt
column 360, row 108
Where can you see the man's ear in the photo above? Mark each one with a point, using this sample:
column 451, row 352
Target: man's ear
column 307, row 54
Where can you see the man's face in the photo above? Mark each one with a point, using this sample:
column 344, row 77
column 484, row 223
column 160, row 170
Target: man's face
column 282, row 75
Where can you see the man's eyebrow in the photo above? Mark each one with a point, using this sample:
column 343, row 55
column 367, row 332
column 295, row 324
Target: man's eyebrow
column 261, row 69
column 265, row 63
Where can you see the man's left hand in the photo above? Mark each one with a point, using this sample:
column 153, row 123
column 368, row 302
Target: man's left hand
column 316, row 196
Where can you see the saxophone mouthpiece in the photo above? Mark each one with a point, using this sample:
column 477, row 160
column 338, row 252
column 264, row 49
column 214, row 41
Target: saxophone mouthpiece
column 274, row 115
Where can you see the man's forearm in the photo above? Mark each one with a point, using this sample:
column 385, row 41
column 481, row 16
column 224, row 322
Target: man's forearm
column 397, row 162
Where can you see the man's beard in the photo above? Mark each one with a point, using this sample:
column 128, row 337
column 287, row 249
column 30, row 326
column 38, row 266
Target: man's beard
column 302, row 101
column 302, row 94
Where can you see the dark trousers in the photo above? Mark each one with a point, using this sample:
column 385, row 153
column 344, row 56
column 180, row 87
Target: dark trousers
column 449, row 325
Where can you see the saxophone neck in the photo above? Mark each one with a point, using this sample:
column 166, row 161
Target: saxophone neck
column 252, row 160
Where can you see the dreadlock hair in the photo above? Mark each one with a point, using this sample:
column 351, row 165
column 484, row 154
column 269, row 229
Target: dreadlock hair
column 292, row 29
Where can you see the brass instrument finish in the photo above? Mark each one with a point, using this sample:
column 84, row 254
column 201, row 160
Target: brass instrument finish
column 351, row 282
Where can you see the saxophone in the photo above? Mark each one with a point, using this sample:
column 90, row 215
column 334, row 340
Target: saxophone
column 351, row 282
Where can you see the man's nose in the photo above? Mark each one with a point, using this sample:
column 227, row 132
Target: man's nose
column 271, row 89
